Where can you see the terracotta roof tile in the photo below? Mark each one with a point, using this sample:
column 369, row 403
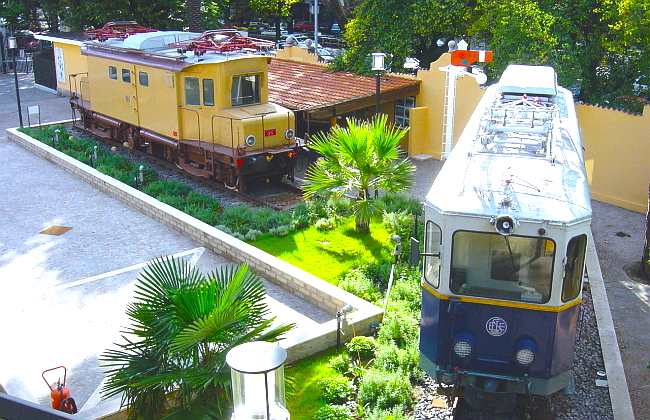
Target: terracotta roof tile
column 298, row 85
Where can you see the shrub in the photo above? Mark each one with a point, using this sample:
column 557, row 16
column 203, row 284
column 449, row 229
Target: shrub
column 406, row 291
column 341, row 207
column 333, row 412
column 400, row 328
column 340, row 363
column 390, row 358
column 362, row 347
column 224, row 229
column 379, row 272
column 203, row 200
column 175, row 201
column 204, row 214
column 398, row 223
column 395, row 413
column 280, row 231
column 337, row 389
column 317, row 209
column 328, row 223
column 357, row 283
column 252, row 235
column 385, row 390
column 165, row 187
column 238, row 236
column 397, row 203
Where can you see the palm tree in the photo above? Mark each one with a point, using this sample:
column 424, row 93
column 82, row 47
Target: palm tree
column 364, row 158
column 172, row 365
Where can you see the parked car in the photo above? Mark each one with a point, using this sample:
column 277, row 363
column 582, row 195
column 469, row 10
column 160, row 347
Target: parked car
column 324, row 55
column 258, row 25
column 302, row 41
column 303, row 26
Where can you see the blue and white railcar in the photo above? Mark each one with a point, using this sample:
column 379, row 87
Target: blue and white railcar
column 507, row 221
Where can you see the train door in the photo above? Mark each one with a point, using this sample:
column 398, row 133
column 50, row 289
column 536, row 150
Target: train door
column 126, row 93
column 190, row 109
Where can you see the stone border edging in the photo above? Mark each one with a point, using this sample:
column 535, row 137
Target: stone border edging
column 619, row 394
column 297, row 281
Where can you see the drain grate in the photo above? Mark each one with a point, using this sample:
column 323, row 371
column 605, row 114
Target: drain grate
column 55, row 230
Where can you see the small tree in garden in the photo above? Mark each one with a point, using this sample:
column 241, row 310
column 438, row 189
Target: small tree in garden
column 172, row 365
column 363, row 159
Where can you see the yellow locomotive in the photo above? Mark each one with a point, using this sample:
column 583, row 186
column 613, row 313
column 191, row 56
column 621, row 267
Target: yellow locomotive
column 198, row 100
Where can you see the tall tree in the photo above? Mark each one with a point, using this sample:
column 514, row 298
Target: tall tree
column 363, row 158
column 193, row 8
column 183, row 325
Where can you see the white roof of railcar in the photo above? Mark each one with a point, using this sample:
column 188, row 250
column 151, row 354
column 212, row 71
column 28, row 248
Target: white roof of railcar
column 532, row 80
column 547, row 185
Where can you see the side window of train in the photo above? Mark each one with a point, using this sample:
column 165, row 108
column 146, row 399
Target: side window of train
column 208, row 92
column 432, row 245
column 245, row 90
column 192, row 96
column 126, row 75
column 575, row 261
column 112, row 72
column 143, row 78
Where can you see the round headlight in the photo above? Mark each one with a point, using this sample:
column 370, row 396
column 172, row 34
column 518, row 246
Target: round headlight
column 289, row 134
column 525, row 356
column 250, row 140
column 462, row 348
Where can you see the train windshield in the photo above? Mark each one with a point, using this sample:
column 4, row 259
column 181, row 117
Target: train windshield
column 491, row 265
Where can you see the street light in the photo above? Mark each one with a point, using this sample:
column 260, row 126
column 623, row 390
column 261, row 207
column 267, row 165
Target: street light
column 378, row 68
column 257, row 373
column 341, row 322
column 13, row 45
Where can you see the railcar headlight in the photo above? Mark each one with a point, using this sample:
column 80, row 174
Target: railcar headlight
column 463, row 345
column 525, row 352
column 250, row 140
column 289, row 134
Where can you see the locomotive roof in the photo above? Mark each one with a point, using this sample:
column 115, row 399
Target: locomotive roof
column 153, row 49
column 519, row 155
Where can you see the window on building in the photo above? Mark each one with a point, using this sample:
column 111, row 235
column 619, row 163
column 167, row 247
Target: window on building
column 575, row 262
column 112, row 72
column 192, row 95
column 208, row 92
column 126, row 75
column 143, row 78
column 402, row 110
column 245, row 90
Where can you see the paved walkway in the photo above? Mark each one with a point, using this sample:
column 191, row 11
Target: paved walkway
column 63, row 296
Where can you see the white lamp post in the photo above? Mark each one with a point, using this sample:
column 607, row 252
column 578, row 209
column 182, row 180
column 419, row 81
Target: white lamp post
column 257, row 373
column 378, row 68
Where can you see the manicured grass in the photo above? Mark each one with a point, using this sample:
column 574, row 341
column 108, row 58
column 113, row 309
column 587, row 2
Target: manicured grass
column 307, row 397
column 328, row 254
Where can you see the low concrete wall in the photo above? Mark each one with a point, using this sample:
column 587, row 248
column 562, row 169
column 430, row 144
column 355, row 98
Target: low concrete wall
column 304, row 285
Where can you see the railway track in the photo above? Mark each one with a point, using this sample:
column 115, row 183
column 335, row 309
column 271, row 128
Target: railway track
column 278, row 196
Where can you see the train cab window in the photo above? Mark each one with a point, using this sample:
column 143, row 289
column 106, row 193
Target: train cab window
column 432, row 244
column 112, row 72
column 126, row 75
column 192, row 95
column 245, row 90
column 494, row 266
column 575, row 262
column 208, row 92
column 143, row 78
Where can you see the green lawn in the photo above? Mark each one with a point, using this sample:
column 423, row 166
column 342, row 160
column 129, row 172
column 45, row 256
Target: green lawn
column 335, row 251
column 307, row 397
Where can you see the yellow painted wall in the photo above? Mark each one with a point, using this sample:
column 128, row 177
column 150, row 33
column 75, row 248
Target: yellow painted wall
column 74, row 63
column 427, row 118
column 113, row 97
column 617, row 151
column 298, row 54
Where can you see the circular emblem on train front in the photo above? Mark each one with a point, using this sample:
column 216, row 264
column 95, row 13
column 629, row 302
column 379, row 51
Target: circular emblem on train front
column 496, row 326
